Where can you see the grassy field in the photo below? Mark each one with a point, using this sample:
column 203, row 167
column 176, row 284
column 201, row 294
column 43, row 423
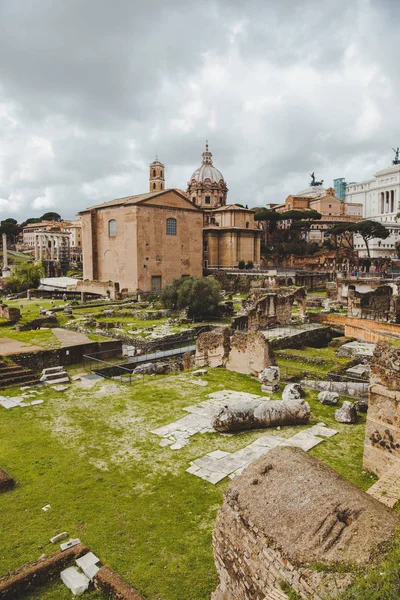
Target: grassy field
column 89, row 453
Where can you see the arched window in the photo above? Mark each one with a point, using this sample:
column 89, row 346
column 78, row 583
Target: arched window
column 171, row 226
column 161, row 186
column 154, row 172
column 154, row 186
column 112, row 228
column 160, row 173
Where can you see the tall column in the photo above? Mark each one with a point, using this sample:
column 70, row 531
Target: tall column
column 5, row 258
column 58, row 240
column 52, row 243
column 36, row 246
column 40, row 238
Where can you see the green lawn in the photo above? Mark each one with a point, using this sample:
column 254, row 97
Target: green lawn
column 90, row 454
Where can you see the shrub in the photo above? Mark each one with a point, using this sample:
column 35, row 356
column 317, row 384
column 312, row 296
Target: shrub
column 241, row 264
column 200, row 295
column 249, row 264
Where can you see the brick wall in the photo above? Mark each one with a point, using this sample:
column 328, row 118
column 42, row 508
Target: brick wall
column 382, row 435
column 362, row 329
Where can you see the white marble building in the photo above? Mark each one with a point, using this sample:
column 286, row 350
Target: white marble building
column 380, row 197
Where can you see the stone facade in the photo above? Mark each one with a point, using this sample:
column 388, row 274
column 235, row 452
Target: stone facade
column 382, row 435
column 236, row 351
column 377, row 305
column 230, row 236
column 284, row 514
column 263, row 309
column 143, row 242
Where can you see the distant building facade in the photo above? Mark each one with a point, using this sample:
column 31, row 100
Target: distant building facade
column 143, row 242
column 146, row 241
column 230, row 235
column 380, row 197
column 324, row 201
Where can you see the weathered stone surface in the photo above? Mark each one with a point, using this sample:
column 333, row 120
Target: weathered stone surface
column 270, row 378
column 292, row 391
column 382, row 432
column 76, row 581
column 354, row 349
column 346, row 414
column 330, row 398
column 361, row 406
column 114, row 586
column 146, row 369
column 244, row 352
column 287, row 511
column 258, row 413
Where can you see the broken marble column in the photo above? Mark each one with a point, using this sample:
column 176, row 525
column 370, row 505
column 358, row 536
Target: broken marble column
column 256, row 414
column 270, row 377
column 292, row 391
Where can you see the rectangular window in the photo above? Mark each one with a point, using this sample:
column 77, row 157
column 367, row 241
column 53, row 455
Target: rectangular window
column 171, row 227
column 156, row 283
column 207, row 199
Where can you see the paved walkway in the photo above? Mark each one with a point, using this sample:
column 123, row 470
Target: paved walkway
column 70, row 338
column 9, row 346
column 387, row 488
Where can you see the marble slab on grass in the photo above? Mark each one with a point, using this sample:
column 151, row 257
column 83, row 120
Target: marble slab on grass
column 200, row 418
column 217, row 465
column 17, row 401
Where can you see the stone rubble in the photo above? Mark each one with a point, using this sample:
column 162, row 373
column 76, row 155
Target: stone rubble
column 329, row 398
column 346, row 414
column 270, row 378
column 292, row 391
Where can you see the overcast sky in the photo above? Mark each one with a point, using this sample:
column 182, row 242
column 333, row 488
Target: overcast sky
column 90, row 89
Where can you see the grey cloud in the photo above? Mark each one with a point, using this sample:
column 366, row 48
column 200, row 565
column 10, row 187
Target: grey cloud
column 89, row 90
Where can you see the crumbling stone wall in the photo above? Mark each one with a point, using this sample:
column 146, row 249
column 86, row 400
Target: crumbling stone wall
column 382, row 434
column 244, row 352
column 377, row 305
column 286, row 512
column 263, row 308
column 11, row 314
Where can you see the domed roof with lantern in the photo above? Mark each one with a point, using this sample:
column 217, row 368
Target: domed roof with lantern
column 207, row 170
column 206, row 179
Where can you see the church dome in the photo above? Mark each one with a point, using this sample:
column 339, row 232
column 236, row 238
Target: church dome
column 207, row 187
column 207, row 170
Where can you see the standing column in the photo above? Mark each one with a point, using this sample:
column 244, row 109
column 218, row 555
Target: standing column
column 36, row 246
column 58, row 240
column 5, row 258
column 40, row 238
column 52, row 244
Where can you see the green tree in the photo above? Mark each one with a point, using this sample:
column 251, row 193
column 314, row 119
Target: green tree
column 51, row 216
column 370, row 230
column 24, row 276
column 241, row 264
column 301, row 221
column 10, row 228
column 200, row 295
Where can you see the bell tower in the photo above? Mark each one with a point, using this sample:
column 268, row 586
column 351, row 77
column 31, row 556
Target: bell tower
column 156, row 176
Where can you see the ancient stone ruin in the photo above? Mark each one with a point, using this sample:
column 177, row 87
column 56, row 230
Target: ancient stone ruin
column 11, row 314
column 263, row 308
column 382, row 435
column 286, row 513
column 243, row 352
column 377, row 305
column 256, row 414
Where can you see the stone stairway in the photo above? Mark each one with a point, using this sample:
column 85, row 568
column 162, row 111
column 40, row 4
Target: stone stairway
column 54, row 375
column 387, row 488
column 12, row 374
